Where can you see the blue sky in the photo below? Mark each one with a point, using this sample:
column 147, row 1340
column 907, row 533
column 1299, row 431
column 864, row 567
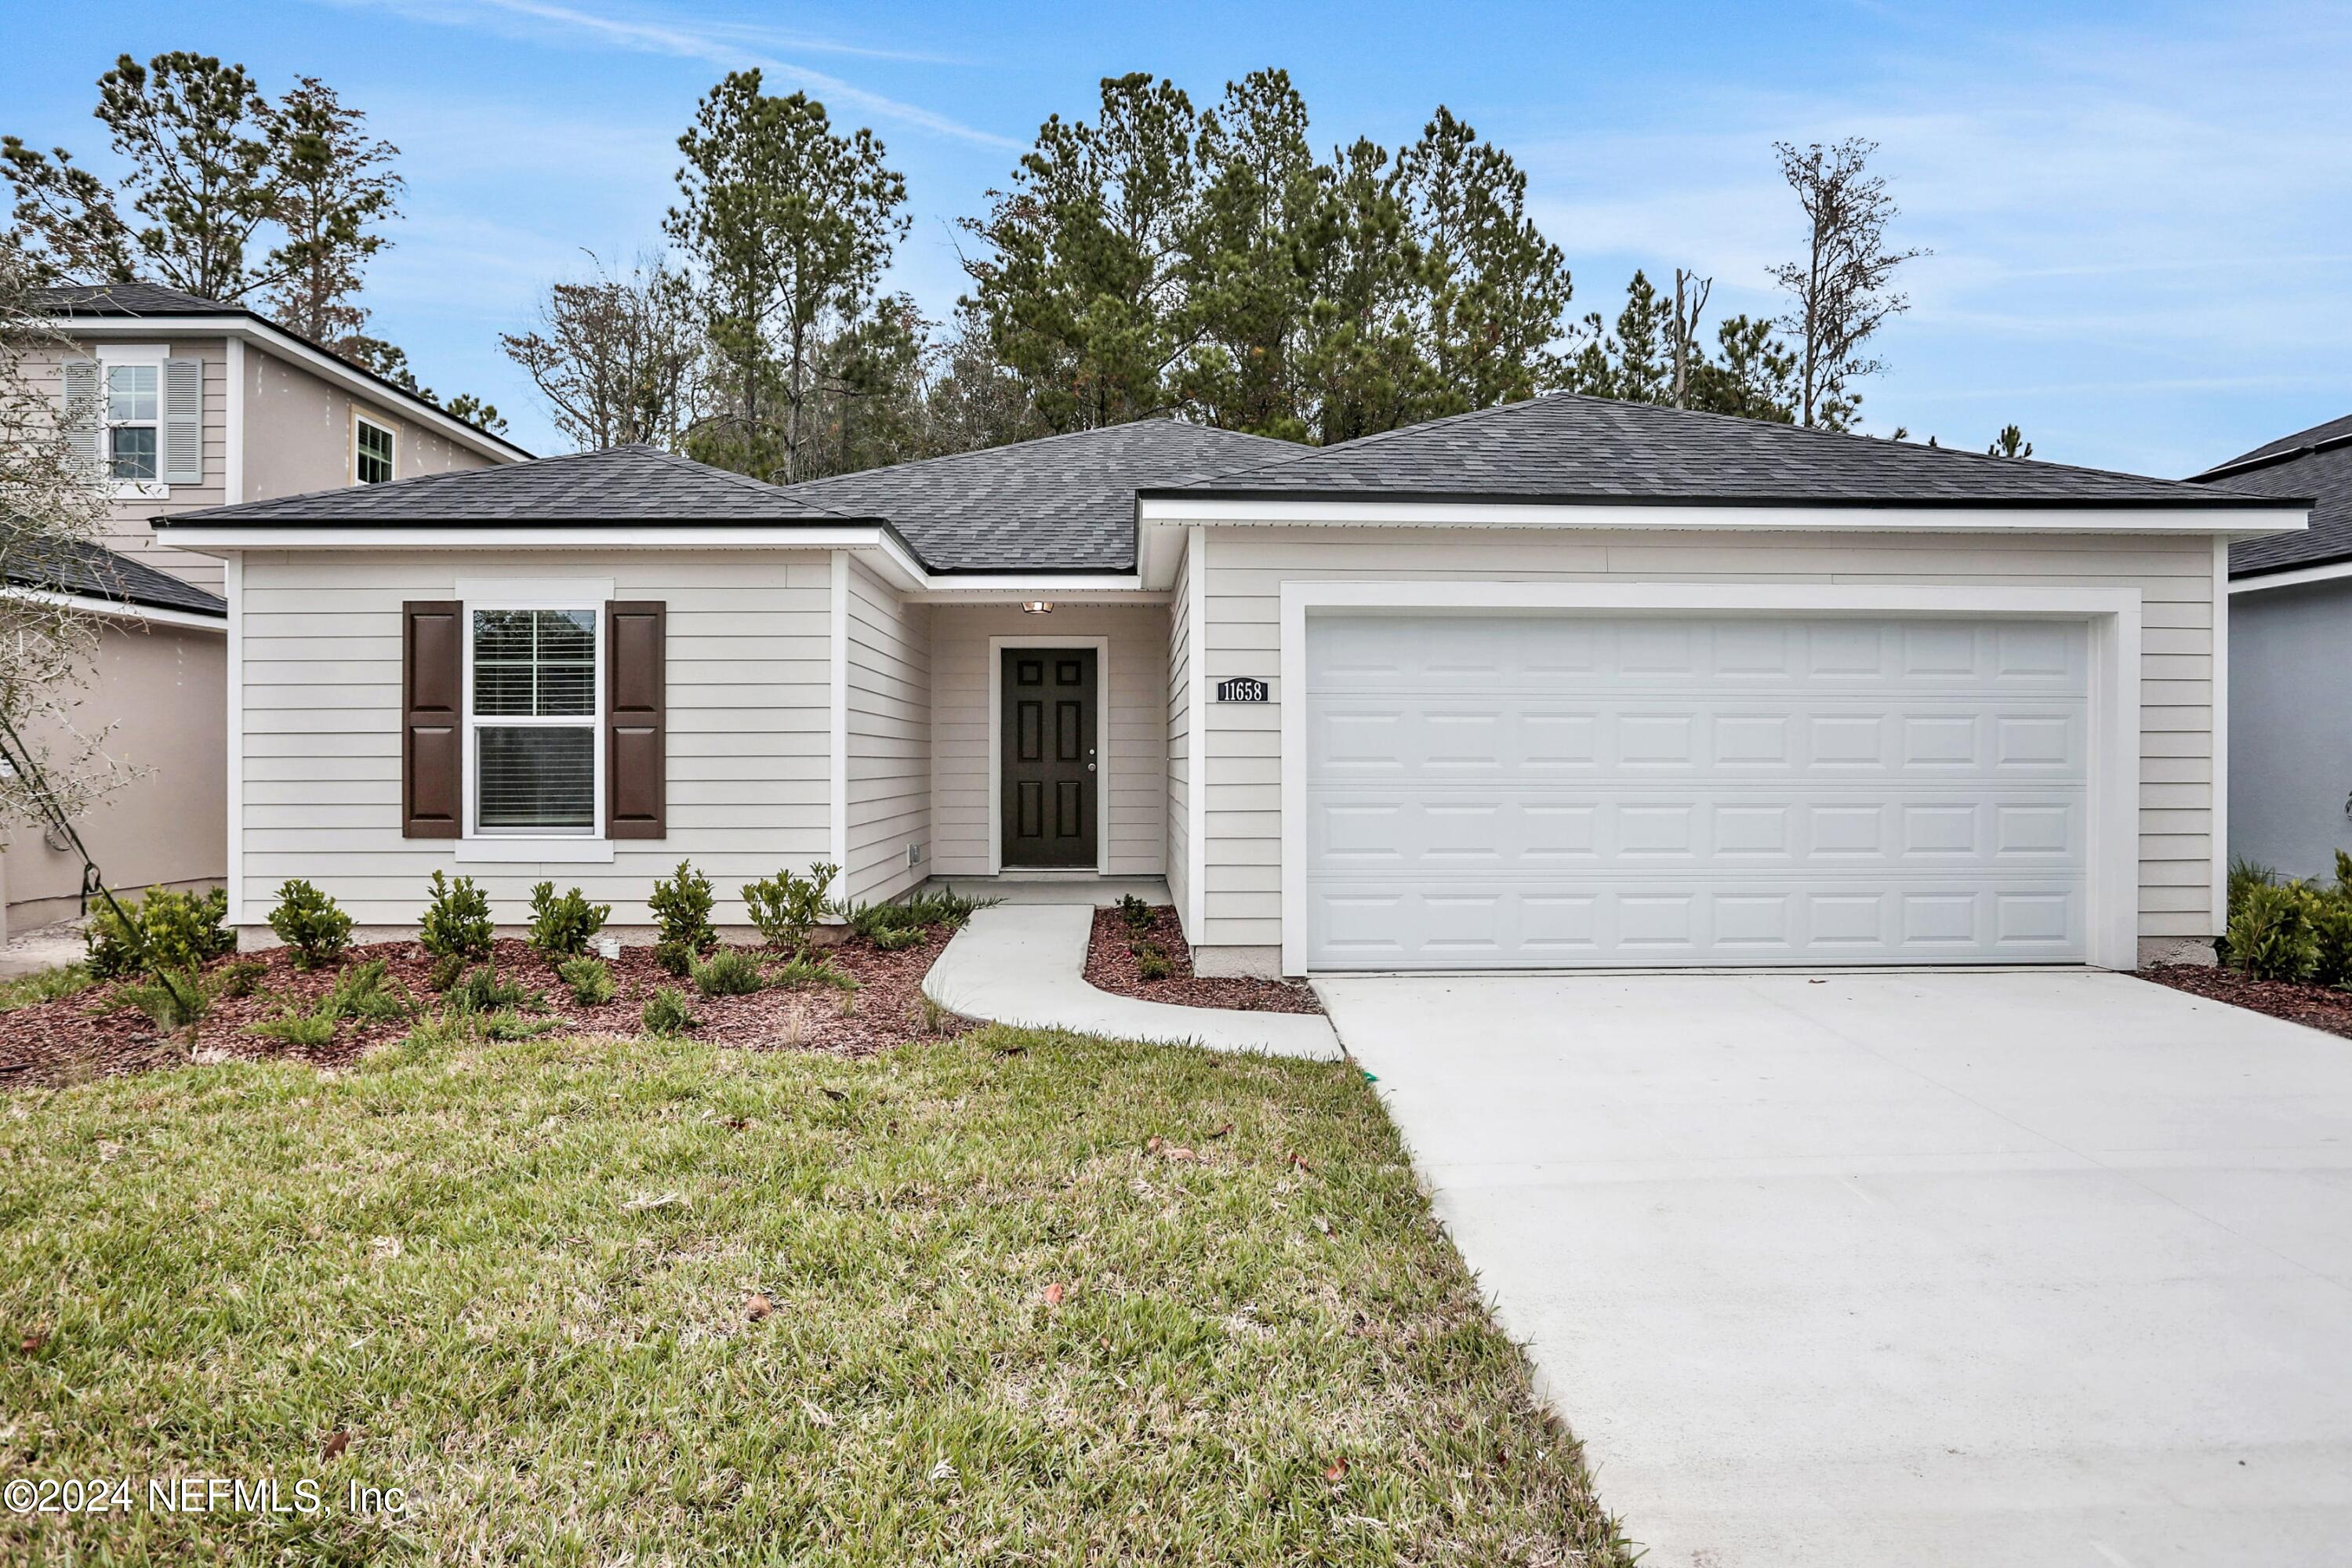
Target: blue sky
column 2141, row 215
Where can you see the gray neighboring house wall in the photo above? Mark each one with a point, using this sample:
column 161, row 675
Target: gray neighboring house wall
column 265, row 413
column 2290, row 675
column 1568, row 683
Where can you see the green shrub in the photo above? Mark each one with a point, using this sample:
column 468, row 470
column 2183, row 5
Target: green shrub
column 171, row 998
column 2270, row 932
column 1135, row 913
column 681, row 905
column 297, row 1027
column 667, row 1012
column 236, row 981
column 481, row 990
column 786, row 909
column 366, row 992
column 674, row 957
column 162, row 930
column 729, row 972
column 1152, row 962
column 561, row 926
column 457, row 920
column 898, row 925
column 513, row 1026
column 307, row 921
column 591, row 980
column 807, row 971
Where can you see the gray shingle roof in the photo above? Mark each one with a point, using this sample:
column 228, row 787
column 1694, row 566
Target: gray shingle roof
column 2312, row 465
column 131, row 300
column 619, row 484
column 1065, row 504
column 1568, row 447
column 100, row 572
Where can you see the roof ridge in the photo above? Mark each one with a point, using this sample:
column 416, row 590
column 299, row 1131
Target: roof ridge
column 1035, row 441
column 1669, row 412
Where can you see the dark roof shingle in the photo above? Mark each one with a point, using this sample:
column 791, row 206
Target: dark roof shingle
column 130, row 299
column 2312, row 465
column 1568, row 447
column 617, row 484
column 99, row 572
column 1064, row 503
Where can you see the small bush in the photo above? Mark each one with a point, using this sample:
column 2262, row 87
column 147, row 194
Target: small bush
column 667, row 1012
column 806, row 971
column 172, row 998
column 448, row 971
column 729, row 972
column 513, row 1025
column 681, row 905
column 893, row 926
column 307, row 921
column 786, row 908
column 591, row 980
column 1135, row 913
column 238, row 981
column 481, row 990
column 162, row 930
column 457, row 920
column 561, row 926
column 1152, row 962
column 297, row 1027
column 366, row 993
column 674, row 957
column 2270, row 932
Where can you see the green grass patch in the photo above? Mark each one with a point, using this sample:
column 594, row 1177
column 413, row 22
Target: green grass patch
column 995, row 1322
column 46, row 985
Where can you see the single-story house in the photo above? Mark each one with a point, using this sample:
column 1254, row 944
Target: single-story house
column 1568, row 682
column 2291, row 640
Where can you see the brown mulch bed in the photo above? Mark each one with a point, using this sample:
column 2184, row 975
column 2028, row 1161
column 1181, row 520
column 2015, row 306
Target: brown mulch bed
column 2318, row 1006
column 76, row 1037
column 1111, row 966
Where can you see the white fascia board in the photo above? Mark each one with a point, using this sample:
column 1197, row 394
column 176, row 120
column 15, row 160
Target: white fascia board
column 969, row 588
column 2334, row 571
column 220, row 539
column 115, row 610
column 319, row 362
column 1373, row 512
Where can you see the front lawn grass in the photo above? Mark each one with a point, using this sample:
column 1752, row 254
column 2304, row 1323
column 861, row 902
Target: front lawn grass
column 996, row 1324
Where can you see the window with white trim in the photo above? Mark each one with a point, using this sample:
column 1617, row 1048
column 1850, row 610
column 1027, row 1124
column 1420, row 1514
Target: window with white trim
column 133, row 421
column 532, row 735
column 370, row 451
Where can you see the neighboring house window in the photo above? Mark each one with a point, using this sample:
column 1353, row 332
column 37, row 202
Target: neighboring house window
column 134, row 416
column 373, row 446
column 532, row 721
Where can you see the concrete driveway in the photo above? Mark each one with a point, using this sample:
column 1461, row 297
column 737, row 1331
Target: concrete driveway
column 2043, row 1268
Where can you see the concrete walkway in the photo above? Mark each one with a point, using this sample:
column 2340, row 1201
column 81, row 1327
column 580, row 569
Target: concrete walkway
column 2042, row 1269
column 37, row 947
column 1025, row 963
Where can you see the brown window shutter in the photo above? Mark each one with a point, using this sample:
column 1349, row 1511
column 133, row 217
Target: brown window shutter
column 432, row 702
column 637, row 713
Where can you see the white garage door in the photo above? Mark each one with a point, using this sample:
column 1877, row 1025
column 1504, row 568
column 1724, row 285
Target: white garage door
column 1574, row 790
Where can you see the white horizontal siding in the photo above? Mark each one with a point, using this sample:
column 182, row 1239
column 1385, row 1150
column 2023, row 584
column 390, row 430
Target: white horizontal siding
column 889, row 718
column 1138, row 732
column 1243, row 637
column 319, row 793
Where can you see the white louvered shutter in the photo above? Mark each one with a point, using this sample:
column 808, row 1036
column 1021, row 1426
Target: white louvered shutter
column 83, row 413
column 183, row 422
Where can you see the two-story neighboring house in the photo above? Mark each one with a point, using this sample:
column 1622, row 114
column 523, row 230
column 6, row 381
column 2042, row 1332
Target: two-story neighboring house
column 200, row 404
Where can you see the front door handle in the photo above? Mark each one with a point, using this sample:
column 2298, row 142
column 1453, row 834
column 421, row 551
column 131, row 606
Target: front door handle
column 1090, row 767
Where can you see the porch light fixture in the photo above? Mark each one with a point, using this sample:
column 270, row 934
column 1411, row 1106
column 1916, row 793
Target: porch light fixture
column 1037, row 606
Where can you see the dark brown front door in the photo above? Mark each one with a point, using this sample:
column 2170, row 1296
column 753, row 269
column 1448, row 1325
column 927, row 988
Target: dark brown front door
column 1049, row 740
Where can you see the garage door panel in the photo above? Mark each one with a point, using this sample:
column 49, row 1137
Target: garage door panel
column 1713, row 792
